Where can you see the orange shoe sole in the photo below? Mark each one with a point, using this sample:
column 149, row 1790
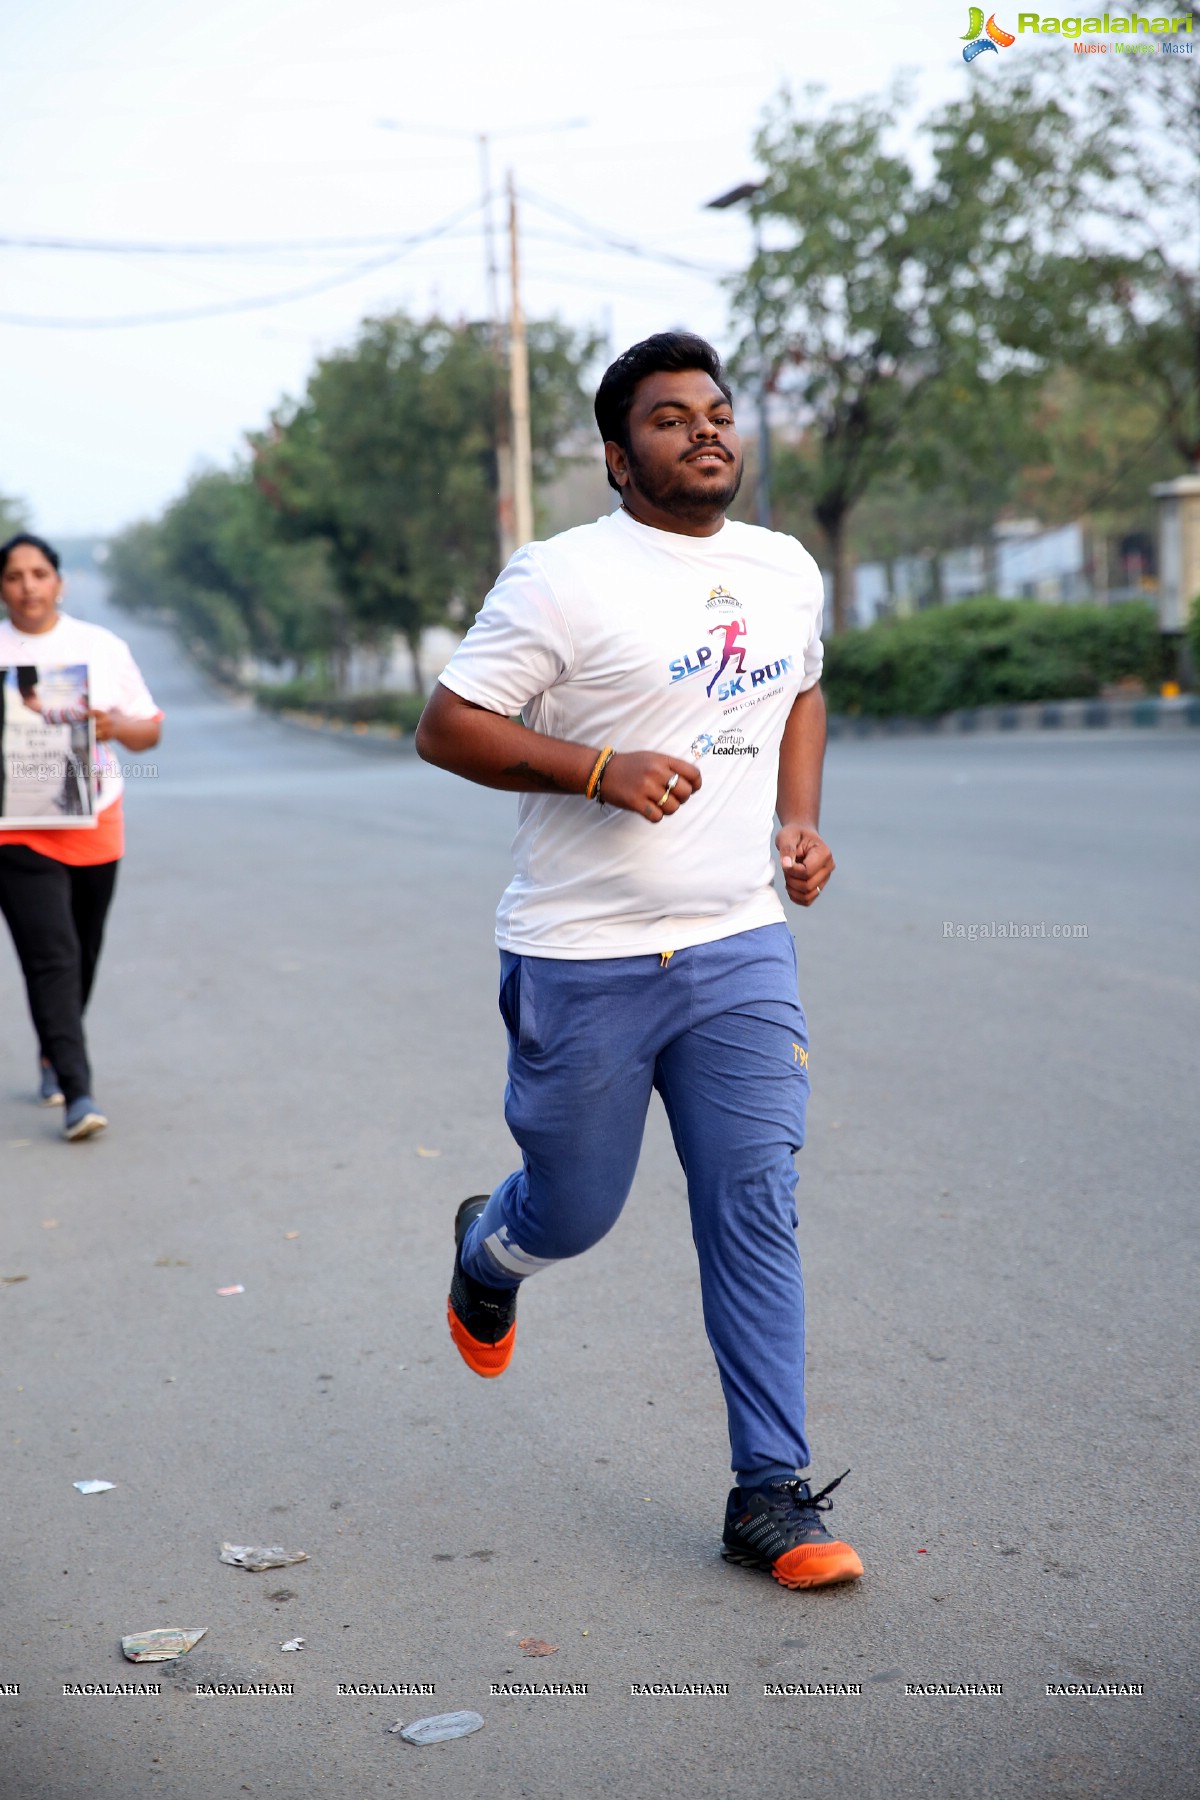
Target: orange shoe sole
column 488, row 1360
column 817, row 1565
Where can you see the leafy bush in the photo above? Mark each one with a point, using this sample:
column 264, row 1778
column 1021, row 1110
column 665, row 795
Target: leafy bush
column 401, row 711
column 988, row 653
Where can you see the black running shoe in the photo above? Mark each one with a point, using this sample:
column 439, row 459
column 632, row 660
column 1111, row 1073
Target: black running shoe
column 483, row 1320
column 779, row 1528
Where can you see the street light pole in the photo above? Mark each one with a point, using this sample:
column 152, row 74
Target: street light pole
column 746, row 191
column 505, row 516
column 518, row 371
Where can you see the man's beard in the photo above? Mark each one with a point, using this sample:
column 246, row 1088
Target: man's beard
column 670, row 495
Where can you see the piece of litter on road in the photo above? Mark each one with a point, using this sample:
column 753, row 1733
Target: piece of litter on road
column 162, row 1644
column 237, row 1289
column 93, row 1487
column 12, row 1280
column 290, row 1235
column 49, row 1224
column 422, row 1151
column 169, row 1262
column 260, row 1556
column 537, row 1647
column 922, row 1553
column 438, row 1728
column 19, row 1143
column 293, row 1644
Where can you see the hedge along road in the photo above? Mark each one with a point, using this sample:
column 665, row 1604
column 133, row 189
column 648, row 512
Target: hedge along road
column 296, row 1012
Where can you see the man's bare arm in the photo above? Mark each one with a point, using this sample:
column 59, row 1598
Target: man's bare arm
column 806, row 859
column 498, row 752
column 801, row 759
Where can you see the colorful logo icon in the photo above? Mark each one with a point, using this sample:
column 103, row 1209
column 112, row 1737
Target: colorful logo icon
column 984, row 37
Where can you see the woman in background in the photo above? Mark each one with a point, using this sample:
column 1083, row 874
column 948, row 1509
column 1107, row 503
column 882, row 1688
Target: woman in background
column 56, row 885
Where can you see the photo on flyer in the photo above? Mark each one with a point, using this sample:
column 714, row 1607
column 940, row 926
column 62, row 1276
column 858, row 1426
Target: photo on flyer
column 47, row 740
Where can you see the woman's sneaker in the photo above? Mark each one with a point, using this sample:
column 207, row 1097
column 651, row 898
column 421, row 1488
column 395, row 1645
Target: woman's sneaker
column 779, row 1528
column 483, row 1320
column 84, row 1119
column 49, row 1087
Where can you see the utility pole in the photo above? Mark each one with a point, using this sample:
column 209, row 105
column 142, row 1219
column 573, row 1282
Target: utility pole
column 746, row 190
column 514, row 518
column 518, row 372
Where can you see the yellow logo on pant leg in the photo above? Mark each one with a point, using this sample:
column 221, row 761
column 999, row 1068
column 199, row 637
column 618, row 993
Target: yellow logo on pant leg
column 799, row 1055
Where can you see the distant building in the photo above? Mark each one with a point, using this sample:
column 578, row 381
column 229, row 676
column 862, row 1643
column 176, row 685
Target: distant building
column 1024, row 561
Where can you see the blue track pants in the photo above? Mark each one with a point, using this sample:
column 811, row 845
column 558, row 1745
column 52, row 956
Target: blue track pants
column 719, row 1031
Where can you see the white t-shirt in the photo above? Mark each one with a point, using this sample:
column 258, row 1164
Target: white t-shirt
column 615, row 633
column 114, row 679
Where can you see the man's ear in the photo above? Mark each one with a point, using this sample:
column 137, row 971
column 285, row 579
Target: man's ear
column 618, row 463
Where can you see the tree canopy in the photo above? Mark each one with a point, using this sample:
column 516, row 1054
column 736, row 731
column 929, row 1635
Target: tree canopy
column 390, row 460
column 909, row 313
column 367, row 507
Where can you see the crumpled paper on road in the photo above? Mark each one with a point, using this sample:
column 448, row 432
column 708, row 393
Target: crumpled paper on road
column 261, row 1556
column 436, row 1729
column 160, row 1645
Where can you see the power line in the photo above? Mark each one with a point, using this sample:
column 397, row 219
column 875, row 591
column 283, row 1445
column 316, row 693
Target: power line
column 272, row 247
column 121, row 321
column 398, row 247
column 626, row 245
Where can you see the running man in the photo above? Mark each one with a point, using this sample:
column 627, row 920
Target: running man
column 642, row 944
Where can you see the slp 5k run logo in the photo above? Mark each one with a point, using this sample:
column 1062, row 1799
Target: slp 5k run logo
column 740, row 680
column 995, row 38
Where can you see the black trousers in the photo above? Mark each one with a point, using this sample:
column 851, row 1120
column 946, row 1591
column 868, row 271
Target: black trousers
column 56, row 915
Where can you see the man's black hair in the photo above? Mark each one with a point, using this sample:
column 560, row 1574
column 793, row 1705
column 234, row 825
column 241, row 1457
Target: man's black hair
column 35, row 543
column 665, row 352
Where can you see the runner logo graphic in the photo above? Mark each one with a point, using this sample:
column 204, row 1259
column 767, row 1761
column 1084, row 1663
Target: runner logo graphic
column 995, row 38
column 732, row 630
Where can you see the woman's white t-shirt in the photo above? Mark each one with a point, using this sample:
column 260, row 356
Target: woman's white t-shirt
column 616, row 633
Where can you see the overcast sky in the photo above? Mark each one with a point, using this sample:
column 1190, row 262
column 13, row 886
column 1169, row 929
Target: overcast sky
column 244, row 121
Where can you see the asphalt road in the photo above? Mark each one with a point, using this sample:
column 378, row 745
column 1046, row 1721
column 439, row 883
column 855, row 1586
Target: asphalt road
column 296, row 1039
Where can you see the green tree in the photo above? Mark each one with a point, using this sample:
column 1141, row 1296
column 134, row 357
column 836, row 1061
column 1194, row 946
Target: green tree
column 217, row 566
column 909, row 319
column 14, row 516
column 1092, row 449
column 389, row 459
column 1138, row 227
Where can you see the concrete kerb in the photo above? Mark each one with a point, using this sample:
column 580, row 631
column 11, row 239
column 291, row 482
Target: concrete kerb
column 1050, row 715
column 372, row 739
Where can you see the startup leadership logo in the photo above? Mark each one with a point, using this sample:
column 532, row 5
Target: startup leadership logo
column 984, row 37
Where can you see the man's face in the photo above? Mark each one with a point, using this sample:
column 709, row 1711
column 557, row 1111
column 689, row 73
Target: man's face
column 684, row 459
column 30, row 587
